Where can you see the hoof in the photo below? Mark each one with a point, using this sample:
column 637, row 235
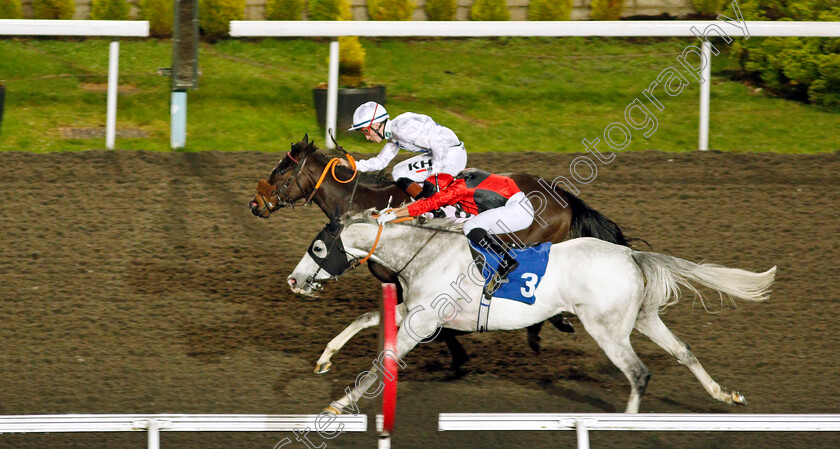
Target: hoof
column 562, row 324
column 322, row 368
column 738, row 398
column 333, row 410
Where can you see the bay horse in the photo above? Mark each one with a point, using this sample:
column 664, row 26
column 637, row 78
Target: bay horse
column 559, row 215
column 612, row 289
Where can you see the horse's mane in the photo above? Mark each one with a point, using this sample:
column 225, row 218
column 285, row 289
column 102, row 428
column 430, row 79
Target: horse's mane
column 433, row 224
column 372, row 179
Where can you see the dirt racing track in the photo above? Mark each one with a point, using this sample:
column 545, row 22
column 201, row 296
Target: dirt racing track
column 134, row 282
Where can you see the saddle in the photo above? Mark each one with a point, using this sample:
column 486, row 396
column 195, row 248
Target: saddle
column 520, row 285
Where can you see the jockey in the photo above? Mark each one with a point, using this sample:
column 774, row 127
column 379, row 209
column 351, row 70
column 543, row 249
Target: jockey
column 441, row 150
column 498, row 204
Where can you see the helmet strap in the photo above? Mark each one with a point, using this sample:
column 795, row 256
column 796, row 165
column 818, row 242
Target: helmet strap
column 381, row 136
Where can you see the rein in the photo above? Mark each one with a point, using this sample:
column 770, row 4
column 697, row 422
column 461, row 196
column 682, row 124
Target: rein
column 379, row 234
column 331, row 167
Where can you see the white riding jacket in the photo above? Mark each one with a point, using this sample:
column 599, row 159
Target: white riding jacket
column 412, row 132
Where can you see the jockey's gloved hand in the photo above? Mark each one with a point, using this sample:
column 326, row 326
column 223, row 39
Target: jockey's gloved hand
column 386, row 215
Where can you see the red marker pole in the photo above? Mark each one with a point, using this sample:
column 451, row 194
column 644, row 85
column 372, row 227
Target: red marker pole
column 388, row 342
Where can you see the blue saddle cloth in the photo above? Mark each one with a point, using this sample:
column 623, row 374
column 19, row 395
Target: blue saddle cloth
column 523, row 282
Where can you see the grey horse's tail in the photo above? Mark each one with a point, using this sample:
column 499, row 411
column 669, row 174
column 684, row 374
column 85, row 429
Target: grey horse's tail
column 665, row 274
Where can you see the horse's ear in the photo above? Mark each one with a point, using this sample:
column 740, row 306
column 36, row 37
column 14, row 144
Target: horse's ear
column 334, row 220
column 305, row 138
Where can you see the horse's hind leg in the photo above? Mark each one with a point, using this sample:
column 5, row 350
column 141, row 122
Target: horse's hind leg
column 615, row 341
column 650, row 324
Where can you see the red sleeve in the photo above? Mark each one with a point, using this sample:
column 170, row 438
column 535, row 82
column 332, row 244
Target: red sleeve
column 450, row 195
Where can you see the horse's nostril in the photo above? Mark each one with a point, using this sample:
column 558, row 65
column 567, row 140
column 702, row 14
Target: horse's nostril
column 253, row 204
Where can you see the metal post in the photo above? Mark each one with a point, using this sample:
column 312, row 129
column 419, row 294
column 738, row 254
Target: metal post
column 154, row 434
column 582, row 434
column 705, row 93
column 384, row 442
column 332, row 94
column 111, row 113
column 178, row 133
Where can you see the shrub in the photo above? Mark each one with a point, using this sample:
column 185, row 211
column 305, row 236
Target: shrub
column 806, row 69
column 53, row 9
column 351, row 61
column 709, row 7
column 10, row 9
column 441, row 9
column 284, row 9
column 351, row 55
column 109, row 10
column 489, row 10
column 329, row 10
column 390, row 9
column 215, row 15
column 550, row 10
column 160, row 15
column 607, row 9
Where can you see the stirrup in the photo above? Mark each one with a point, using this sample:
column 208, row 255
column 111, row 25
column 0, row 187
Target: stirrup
column 500, row 277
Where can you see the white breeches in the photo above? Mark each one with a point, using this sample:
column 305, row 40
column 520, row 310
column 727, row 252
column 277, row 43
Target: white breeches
column 418, row 168
column 516, row 215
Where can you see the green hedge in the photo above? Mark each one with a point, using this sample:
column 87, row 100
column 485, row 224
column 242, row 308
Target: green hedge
column 54, row 9
column 160, row 16
column 806, row 69
column 214, row 16
column 709, row 7
column 109, row 10
column 606, row 9
column 489, row 10
column 329, row 10
column 390, row 9
column 550, row 9
column 284, row 9
column 441, row 9
column 10, row 9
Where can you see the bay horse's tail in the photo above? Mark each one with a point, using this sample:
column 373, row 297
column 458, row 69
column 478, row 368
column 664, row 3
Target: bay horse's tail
column 665, row 274
column 588, row 222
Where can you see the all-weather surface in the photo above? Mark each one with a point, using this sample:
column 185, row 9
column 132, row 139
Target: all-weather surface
column 137, row 282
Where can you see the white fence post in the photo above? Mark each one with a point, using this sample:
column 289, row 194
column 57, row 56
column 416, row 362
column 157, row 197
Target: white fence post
column 154, row 434
column 705, row 95
column 113, row 76
column 582, row 434
column 332, row 95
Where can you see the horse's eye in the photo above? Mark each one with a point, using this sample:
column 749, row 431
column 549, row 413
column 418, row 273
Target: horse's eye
column 319, row 248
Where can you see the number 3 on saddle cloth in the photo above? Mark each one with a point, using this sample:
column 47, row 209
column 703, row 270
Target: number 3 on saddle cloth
column 521, row 284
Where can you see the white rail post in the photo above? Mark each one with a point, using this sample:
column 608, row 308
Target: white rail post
column 111, row 113
column 705, row 94
column 332, row 94
column 582, row 434
column 154, row 434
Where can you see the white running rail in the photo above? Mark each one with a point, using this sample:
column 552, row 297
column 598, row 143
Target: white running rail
column 93, row 28
column 296, row 28
column 154, row 424
column 584, row 422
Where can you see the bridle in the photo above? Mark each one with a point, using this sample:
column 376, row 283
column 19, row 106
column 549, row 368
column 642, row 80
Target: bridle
column 281, row 192
column 313, row 283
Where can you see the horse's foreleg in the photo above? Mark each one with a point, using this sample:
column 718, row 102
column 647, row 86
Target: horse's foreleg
column 365, row 321
column 367, row 384
column 651, row 325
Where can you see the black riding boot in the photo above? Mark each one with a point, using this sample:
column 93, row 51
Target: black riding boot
column 413, row 189
column 482, row 238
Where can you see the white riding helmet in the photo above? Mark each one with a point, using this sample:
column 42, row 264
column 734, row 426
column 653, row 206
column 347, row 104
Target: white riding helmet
column 368, row 114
